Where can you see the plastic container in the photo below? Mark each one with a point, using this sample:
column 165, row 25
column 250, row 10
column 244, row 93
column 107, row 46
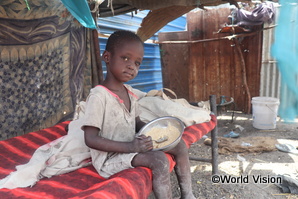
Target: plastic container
column 264, row 112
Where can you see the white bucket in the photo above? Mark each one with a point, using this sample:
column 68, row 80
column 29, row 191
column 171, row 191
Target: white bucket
column 264, row 112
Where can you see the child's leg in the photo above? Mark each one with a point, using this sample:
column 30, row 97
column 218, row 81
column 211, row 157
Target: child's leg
column 159, row 164
column 182, row 169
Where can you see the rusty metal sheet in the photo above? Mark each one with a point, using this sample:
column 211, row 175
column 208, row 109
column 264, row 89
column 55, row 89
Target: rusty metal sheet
column 214, row 64
column 175, row 63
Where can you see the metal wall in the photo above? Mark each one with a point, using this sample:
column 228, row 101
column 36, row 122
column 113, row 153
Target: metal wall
column 149, row 76
column 208, row 64
column 270, row 75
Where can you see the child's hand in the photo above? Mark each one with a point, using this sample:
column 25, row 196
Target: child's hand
column 142, row 143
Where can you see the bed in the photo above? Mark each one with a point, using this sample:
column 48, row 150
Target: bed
column 84, row 182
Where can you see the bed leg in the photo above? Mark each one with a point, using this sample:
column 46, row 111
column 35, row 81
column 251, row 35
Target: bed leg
column 214, row 142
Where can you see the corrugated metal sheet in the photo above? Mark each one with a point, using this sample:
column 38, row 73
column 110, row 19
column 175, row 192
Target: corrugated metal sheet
column 270, row 75
column 149, row 76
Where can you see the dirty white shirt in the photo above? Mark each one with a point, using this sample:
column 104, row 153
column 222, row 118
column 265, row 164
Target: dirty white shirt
column 107, row 112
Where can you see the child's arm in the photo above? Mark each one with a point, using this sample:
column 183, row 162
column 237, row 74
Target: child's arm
column 92, row 140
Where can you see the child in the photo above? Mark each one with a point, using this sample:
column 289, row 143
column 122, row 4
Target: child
column 111, row 122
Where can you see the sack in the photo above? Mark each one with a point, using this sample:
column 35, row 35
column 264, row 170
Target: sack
column 157, row 104
column 244, row 145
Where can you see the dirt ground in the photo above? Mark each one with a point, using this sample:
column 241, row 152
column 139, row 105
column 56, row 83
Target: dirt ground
column 266, row 164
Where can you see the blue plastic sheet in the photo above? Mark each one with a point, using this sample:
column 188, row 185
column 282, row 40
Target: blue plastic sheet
column 285, row 50
column 81, row 11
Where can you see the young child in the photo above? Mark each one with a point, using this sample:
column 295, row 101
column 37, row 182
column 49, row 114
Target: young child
column 111, row 122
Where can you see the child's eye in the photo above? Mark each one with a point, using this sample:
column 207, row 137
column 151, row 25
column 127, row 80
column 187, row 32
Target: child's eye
column 125, row 58
column 138, row 63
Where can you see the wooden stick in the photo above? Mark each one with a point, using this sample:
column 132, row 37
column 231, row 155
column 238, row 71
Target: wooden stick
column 214, row 39
column 243, row 69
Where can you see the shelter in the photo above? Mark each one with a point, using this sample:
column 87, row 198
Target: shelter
column 49, row 61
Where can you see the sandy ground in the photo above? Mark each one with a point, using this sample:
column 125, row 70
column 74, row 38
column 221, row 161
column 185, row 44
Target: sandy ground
column 266, row 165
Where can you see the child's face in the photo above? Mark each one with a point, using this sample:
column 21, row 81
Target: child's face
column 125, row 62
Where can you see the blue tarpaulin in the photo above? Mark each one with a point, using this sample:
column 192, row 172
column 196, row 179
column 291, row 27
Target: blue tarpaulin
column 81, row 11
column 285, row 50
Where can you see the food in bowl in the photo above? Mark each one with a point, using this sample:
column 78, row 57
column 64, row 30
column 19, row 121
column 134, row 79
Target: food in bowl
column 165, row 132
column 163, row 136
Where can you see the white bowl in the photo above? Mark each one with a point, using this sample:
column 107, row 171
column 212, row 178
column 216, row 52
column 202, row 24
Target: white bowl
column 164, row 122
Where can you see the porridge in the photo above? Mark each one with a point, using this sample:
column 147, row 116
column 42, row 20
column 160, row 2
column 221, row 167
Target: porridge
column 171, row 133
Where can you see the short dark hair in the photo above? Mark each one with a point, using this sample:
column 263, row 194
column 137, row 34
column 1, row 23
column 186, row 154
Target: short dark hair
column 118, row 37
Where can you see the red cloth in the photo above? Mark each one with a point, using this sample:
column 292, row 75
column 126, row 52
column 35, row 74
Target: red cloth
column 84, row 182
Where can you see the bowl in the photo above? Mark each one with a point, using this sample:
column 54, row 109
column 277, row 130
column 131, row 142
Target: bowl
column 171, row 127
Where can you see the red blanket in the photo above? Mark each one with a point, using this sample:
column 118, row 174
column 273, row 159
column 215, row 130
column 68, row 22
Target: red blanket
column 84, row 182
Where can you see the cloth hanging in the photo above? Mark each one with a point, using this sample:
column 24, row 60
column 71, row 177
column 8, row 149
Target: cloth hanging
column 285, row 50
column 81, row 11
